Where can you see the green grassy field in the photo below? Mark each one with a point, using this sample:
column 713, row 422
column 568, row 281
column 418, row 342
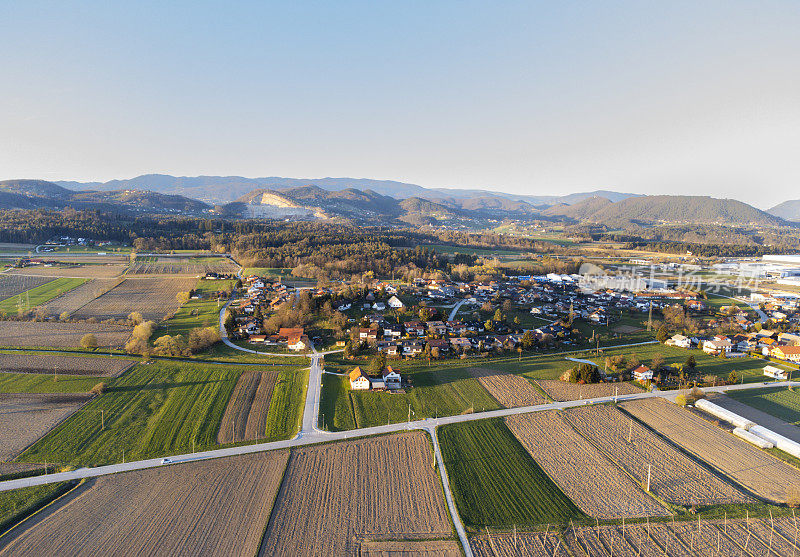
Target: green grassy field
column 284, row 272
column 285, row 413
column 495, row 481
column 781, row 403
column 47, row 383
column 18, row 504
column 196, row 313
column 153, row 409
column 41, row 294
column 439, row 392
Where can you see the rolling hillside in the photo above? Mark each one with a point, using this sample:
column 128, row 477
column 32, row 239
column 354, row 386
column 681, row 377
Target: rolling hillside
column 789, row 210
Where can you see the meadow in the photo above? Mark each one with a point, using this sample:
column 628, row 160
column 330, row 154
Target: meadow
column 781, row 403
column 495, row 481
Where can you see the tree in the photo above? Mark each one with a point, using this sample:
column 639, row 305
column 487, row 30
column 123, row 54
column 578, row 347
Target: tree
column 528, row 340
column 183, row 297
column 135, row 318
column 657, row 361
column 98, row 389
column 89, row 341
column 230, row 321
column 691, row 362
column 425, row 314
column 498, row 316
column 662, row 334
column 489, row 325
column 733, row 378
column 377, row 363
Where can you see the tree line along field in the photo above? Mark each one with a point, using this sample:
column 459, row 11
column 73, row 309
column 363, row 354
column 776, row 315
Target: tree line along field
column 164, row 408
column 494, row 480
column 215, row 507
column 593, row 482
column 52, row 364
column 25, row 418
column 39, row 295
column 755, row 470
column 636, row 450
column 60, row 335
column 335, row 495
column 154, row 298
column 443, row 392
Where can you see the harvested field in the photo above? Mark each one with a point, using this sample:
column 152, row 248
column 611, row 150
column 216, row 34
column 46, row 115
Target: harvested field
column 245, row 417
column 426, row 548
column 384, row 486
column 674, row 476
column 76, row 298
column 216, row 507
column 73, row 270
column 61, row 335
column 11, row 285
column 66, row 365
column 148, row 265
column 563, row 390
column 587, row 477
column 508, row 389
column 541, row 544
column 756, row 470
column 24, row 418
column 153, row 298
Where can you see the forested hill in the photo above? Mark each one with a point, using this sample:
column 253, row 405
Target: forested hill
column 789, row 210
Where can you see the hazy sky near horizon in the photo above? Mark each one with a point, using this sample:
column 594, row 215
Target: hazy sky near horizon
column 676, row 97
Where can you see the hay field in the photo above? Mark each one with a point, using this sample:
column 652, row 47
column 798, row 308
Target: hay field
column 592, row 481
column 674, row 476
column 75, row 299
column 109, row 270
column 60, row 335
column 406, row 548
column 24, row 418
column 753, row 468
column 564, row 390
column 66, row 365
column 216, row 507
column 11, row 285
column 335, row 493
column 154, row 298
column 245, row 417
column 508, row 389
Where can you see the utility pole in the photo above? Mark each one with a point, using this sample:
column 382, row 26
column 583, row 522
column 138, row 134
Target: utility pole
column 650, row 318
column 630, row 430
column 102, row 420
column 649, row 466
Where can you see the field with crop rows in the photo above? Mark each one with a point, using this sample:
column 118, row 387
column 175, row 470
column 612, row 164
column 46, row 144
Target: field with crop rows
column 215, row 507
column 17, row 504
column 753, row 468
column 542, row 544
column 508, row 389
column 75, row 299
column 60, row 335
column 24, row 418
column 245, row 417
column 165, row 265
column 409, row 548
column 153, row 298
column 66, row 365
column 335, row 493
column 39, row 295
column 563, row 390
column 674, row 476
column 593, row 482
column 784, row 403
column 495, row 482
column 11, row 285
column 152, row 410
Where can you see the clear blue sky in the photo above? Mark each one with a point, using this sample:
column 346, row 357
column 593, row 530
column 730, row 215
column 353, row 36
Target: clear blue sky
column 532, row 97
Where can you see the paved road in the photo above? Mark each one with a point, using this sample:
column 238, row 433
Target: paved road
column 318, row 436
column 313, row 394
column 457, row 307
column 762, row 317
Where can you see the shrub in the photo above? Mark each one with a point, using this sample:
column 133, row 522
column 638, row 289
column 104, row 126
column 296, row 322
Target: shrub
column 99, row 389
column 89, row 341
column 681, row 400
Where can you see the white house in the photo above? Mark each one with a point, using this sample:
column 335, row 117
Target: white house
column 680, row 341
column 379, row 306
column 395, row 302
column 776, row 373
column 723, row 346
column 359, row 381
column 391, row 378
column 299, row 343
column 642, row 373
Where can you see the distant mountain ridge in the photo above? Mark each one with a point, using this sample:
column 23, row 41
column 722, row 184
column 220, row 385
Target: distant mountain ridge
column 224, row 189
column 789, row 210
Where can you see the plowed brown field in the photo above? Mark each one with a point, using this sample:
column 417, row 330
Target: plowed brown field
column 507, row 545
column 75, row 299
column 508, row 389
column 245, row 417
column 61, row 335
column 11, row 285
column 154, row 298
column 674, row 476
column 587, row 477
column 332, row 494
column 216, row 507
column 753, row 468
column 24, row 418
column 563, row 390
column 426, row 548
column 67, row 365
